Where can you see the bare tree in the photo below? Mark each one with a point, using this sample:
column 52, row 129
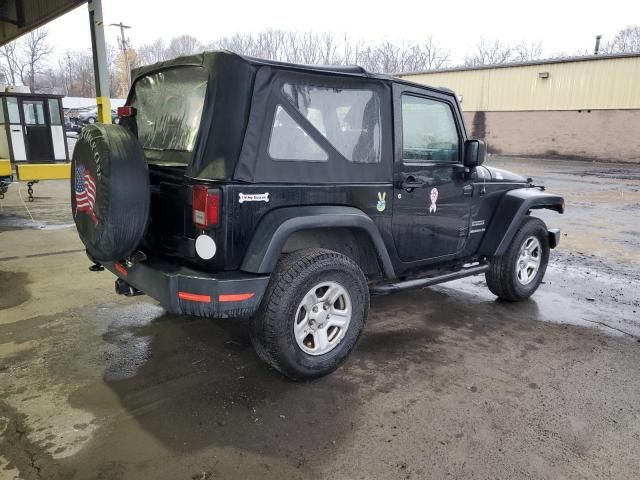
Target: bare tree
column 626, row 40
column 83, row 78
column 35, row 54
column 327, row 48
column 527, row 51
column 243, row 44
column 10, row 62
column 74, row 73
column 306, row 48
column 387, row 57
column 489, row 52
column 183, row 45
column 434, row 55
column 66, row 66
column 153, row 52
column 351, row 50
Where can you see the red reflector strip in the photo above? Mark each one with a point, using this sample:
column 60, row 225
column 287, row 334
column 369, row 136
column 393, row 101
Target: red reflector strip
column 194, row 297
column 121, row 269
column 235, row 297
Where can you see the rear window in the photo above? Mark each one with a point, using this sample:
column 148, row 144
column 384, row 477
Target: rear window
column 169, row 108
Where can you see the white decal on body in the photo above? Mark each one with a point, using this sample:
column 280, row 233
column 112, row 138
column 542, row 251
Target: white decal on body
column 477, row 223
column 253, row 197
column 434, row 199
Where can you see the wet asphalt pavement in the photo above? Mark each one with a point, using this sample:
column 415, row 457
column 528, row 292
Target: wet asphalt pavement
column 446, row 381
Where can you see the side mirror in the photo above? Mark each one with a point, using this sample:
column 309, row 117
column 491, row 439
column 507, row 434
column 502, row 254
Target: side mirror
column 475, row 152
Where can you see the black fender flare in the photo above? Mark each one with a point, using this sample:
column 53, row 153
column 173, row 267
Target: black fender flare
column 277, row 225
column 513, row 207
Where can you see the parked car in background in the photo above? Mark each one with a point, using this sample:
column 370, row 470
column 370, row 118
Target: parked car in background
column 71, row 125
column 90, row 116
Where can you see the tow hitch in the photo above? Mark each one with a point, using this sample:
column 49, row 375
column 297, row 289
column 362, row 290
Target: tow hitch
column 123, row 288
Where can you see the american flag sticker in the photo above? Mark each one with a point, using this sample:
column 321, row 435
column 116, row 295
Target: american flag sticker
column 85, row 192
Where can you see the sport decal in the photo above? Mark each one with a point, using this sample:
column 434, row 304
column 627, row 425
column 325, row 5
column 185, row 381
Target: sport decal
column 382, row 201
column 434, row 199
column 253, row 197
column 85, row 189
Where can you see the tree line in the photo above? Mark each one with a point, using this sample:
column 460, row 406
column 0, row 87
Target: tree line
column 28, row 61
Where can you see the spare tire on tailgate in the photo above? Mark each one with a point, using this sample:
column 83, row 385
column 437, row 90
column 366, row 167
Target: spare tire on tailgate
column 110, row 193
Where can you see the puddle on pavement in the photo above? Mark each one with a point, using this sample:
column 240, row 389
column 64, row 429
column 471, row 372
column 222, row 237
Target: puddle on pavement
column 14, row 287
column 552, row 303
column 39, row 216
column 175, row 385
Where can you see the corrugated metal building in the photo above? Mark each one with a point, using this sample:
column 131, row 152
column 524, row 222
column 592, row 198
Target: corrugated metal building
column 587, row 107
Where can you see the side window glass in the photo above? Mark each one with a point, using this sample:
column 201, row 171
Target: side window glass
column 54, row 111
column 33, row 112
column 14, row 111
column 290, row 142
column 429, row 132
column 348, row 118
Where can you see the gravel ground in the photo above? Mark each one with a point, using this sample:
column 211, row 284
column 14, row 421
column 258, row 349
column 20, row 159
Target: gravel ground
column 446, row 382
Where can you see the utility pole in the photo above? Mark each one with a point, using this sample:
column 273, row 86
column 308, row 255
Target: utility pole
column 100, row 69
column 123, row 46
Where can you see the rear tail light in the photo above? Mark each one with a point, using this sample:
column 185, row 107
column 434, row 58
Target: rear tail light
column 126, row 111
column 205, row 206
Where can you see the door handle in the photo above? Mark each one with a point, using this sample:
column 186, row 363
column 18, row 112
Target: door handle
column 467, row 190
column 410, row 183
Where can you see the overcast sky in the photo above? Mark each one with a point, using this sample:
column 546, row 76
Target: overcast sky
column 562, row 26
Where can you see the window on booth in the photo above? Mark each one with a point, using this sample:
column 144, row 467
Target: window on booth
column 429, row 131
column 349, row 118
column 54, row 111
column 33, row 112
column 13, row 109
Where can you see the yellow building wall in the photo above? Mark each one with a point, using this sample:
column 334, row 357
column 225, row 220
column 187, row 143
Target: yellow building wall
column 612, row 83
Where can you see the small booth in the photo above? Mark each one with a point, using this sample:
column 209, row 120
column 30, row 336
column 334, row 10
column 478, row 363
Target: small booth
column 32, row 136
column 33, row 128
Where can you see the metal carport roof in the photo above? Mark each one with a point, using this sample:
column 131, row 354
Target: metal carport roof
column 18, row 17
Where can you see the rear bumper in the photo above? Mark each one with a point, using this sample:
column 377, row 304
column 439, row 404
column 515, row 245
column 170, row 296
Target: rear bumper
column 186, row 291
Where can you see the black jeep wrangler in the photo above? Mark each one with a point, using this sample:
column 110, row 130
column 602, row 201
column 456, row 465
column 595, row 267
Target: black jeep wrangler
column 237, row 187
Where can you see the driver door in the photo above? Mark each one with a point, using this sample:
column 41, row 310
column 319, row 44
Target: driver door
column 432, row 195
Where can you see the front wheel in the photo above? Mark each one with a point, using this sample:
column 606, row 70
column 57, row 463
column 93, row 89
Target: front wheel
column 517, row 274
column 312, row 314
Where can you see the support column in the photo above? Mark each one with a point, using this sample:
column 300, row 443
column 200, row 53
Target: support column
column 100, row 68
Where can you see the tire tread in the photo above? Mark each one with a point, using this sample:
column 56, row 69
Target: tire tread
column 266, row 328
column 500, row 278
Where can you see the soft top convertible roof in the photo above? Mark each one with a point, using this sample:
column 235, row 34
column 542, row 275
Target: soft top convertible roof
column 210, row 59
column 231, row 89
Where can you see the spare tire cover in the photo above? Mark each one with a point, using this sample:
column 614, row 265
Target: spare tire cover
column 110, row 193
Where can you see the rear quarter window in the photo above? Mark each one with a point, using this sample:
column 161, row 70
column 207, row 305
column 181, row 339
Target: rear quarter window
column 349, row 118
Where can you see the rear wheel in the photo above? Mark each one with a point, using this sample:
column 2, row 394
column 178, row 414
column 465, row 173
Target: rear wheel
column 517, row 274
column 312, row 314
